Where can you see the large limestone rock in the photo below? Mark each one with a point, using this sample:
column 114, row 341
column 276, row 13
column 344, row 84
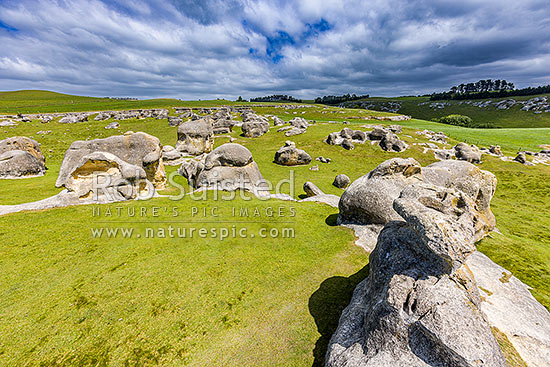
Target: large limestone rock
column 419, row 305
column 391, row 143
column 477, row 184
column 228, row 167
column 22, row 143
column 139, row 149
column 511, row 308
column 469, row 153
column 19, row 164
column 255, row 126
column 289, row 155
column 115, row 179
column 196, row 137
column 369, row 199
column 21, row 157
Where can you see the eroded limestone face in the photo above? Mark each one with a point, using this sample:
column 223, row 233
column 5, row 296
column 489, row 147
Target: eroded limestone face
column 138, row 149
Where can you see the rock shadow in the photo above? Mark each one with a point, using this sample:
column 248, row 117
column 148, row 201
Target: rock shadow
column 326, row 305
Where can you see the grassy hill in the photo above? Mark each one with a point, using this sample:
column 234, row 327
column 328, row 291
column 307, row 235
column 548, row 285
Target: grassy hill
column 422, row 108
column 67, row 298
column 37, row 101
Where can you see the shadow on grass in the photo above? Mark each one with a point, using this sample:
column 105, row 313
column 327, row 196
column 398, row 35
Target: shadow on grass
column 332, row 220
column 326, row 305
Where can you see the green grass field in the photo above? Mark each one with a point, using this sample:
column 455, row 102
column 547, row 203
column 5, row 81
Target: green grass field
column 67, row 298
column 512, row 118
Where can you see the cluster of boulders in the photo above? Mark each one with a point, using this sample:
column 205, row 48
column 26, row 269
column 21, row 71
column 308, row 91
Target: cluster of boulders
column 21, row 157
column 385, row 136
column 438, row 137
column 254, row 125
column 228, row 167
column 117, row 168
column 289, row 155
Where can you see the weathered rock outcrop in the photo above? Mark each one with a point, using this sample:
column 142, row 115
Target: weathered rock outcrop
column 479, row 185
column 228, row 167
column 254, row 126
column 289, row 155
column 21, row 157
column 469, row 153
column 138, row 149
column 419, row 305
column 196, row 137
column 346, row 138
column 20, row 164
column 391, row 143
column 341, row 181
column 369, row 199
column 121, row 180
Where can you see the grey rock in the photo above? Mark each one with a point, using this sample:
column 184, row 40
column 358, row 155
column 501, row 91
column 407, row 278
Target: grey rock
column 341, row 181
column 103, row 116
column 255, row 128
column 19, row 164
column 138, row 149
column 299, row 122
column 289, row 155
column 391, row 143
column 347, row 144
column 229, row 167
column 495, row 149
column 521, row 158
column 511, row 308
column 479, row 185
column 6, row 123
column 469, row 153
column 277, row 121
column 295, row 131
column 311, row 190
column 419, row 305
column 378, row 133
column 113, row 125
column 196, row 137
column 125, row 181
column 369, row 199
column 174, row 121
column 22, row 143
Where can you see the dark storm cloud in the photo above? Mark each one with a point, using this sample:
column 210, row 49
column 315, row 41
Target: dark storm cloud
column 217, row 48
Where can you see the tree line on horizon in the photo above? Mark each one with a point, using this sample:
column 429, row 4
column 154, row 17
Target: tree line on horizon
column 276, row 98
column 487, row 88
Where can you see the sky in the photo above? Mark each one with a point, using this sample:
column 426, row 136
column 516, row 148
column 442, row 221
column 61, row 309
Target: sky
column 305, row 48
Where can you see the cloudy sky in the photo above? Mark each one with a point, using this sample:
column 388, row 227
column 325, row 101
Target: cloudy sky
column 226, row 48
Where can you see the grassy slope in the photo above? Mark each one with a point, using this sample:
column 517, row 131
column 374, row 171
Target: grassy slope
column 512, row 118
column 70, row 299
column 36, row 101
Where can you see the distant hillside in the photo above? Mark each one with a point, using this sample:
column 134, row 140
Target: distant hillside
column 36, row 101
column 512, row 112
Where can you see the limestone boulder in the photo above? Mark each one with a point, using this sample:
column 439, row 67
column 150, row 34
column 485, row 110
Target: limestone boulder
column 228, row 167
column 391, row 143
column 478, row 184
column 289, row 155
column 255, row 128
column 138, row 149
column 341, row 181
column 469, row 153
column 196, row 137
column 369, row 199
column 104, row 177
column 22, row 143
column 420, row 305
column 20, row 164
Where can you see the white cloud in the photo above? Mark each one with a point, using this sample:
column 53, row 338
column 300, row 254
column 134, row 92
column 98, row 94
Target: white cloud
column 219, row 48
